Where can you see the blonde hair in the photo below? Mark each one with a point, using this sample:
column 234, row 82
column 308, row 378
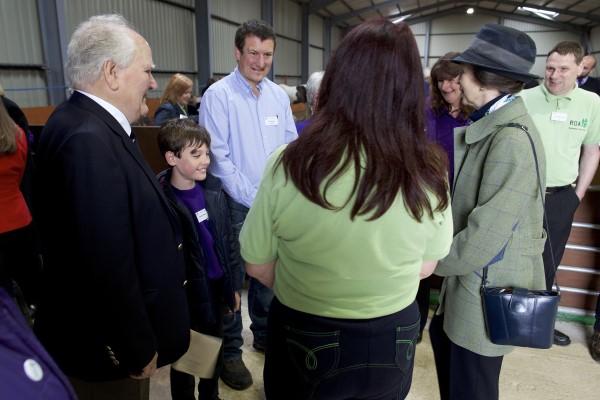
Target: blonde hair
column 8, row 129
column 176, row 87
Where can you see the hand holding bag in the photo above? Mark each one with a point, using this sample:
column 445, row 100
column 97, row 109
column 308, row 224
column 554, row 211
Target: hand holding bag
column 518, row 316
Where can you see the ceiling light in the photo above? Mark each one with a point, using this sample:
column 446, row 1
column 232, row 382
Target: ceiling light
column 402, row 18
column 541, row 13
column 470, row 10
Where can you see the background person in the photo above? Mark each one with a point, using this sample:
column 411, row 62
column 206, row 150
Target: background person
column 497, row 212
column 248, row 117
column 174, row 100
column 584, row 80
column 343, row 240
column 114, row 304
column 445, row 111
column 312, row 95
column 568, row 119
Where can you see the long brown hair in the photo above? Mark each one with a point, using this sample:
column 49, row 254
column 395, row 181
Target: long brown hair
column 445, row 69
column 176, row 87
column 8, row 132
column 370, row 118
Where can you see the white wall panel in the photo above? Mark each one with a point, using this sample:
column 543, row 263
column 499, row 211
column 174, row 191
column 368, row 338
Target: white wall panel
column 315, row 30
column 595, row 40
column 527, row 26
column 545, row 41
column 222, row 49
column 287, row 18
column 287, row 57
column 168, row 29
column 419, row 29
column 336, row 37
column 441, row 44
column 19, row 21
column 236, row 10
column 26, row 88
column 315, row 60
column 461, row 23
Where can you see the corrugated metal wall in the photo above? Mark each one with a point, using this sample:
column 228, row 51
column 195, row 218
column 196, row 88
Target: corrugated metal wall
column 236, row 11
column 19, row 21
column 169, row 29
column 315, row 38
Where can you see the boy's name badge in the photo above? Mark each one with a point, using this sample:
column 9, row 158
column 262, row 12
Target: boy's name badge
column 558, row 116
column 272, row 121
column 202, row 215
column 182, row 116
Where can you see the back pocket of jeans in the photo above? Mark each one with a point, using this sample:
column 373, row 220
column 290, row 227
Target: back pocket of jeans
column 314, row 354
column 406, row 339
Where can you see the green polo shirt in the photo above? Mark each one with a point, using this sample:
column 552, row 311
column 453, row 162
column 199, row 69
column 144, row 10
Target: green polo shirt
column 565, row 124
column 331, row 266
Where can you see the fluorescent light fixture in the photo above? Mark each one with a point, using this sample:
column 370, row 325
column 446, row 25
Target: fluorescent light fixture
column 470, row 10
column 541, row 13
column 402, row 18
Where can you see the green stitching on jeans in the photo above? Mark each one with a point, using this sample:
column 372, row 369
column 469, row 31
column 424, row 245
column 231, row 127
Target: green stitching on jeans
column 310, row 361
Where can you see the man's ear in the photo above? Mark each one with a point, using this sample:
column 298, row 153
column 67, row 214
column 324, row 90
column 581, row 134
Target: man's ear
column 171, row 158
column 238, row 54
column 109, row 73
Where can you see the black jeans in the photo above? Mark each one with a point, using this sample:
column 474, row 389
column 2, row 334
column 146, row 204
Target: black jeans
column 560, row 209
column 313, row 357
column 462, row 374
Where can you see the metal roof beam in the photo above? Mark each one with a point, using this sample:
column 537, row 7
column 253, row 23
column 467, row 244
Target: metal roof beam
column 316, row 5
column 355, row 13
column 564, row 11
column 496, row 13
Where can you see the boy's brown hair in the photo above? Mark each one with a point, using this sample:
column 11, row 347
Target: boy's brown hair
column 177, row 134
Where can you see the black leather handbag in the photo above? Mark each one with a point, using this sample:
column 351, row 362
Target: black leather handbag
column 518, row 316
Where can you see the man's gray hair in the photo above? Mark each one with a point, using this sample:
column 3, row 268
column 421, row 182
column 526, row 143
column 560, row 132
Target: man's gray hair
column 95, row 41
column 312, row 88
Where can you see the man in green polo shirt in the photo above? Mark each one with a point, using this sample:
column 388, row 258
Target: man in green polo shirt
column 568, row 119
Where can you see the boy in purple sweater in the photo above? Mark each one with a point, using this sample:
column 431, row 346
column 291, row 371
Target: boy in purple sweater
column 199, row 201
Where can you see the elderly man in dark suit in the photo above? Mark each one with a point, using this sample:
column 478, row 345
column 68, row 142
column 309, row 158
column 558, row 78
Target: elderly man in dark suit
column 115, row 306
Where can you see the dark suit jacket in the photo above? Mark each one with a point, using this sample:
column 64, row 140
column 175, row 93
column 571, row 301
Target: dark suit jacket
column 592, row 85
column 113, row 260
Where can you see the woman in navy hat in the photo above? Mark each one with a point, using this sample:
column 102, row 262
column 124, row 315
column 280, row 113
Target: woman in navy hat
column 497, row 211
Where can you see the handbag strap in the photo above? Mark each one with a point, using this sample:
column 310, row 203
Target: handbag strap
column 537, row 170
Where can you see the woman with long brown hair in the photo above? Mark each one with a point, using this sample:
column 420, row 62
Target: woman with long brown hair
column 346, row 221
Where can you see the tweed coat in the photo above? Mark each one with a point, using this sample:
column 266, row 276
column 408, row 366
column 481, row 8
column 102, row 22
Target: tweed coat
column 496, row 205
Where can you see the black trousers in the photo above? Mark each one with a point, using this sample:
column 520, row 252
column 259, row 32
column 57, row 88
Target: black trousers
column 560, row 209
column 462, row 374
column 182, row 384
column 310, row 357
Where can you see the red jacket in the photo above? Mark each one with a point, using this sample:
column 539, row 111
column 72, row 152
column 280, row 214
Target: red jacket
column 15, row 213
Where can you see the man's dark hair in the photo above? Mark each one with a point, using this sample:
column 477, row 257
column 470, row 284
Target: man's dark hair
column 177, row 134
column 260, row 29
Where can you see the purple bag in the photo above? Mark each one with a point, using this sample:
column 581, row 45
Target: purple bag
column 26, row 370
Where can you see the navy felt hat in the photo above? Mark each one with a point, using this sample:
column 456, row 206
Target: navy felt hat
column 501, row 50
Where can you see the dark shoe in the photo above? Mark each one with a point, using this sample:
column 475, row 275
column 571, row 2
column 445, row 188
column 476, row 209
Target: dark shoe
column 236, row 375
column 595, row 346
column 259, row 346
column 560, row 339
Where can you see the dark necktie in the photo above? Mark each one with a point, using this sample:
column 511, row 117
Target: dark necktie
column 132, row 136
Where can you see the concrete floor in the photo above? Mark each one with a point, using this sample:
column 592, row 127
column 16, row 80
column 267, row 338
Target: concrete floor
column 527, row 374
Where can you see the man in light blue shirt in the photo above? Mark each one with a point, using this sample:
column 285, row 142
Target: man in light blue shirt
column 248, row 117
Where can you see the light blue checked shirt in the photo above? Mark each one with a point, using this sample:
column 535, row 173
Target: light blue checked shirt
column 244, row 131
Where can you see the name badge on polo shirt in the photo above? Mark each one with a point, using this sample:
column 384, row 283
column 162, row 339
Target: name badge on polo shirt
column 272, row 121
column 558, row 116
column 202, row 215
column 182, row 116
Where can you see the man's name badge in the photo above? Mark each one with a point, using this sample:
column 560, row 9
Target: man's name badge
column 272, row 121
column 558, row 116
column 202, row 215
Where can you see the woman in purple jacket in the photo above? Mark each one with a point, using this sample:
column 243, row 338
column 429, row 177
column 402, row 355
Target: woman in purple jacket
column 445, row 111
